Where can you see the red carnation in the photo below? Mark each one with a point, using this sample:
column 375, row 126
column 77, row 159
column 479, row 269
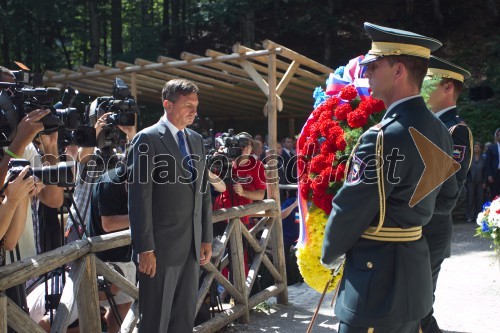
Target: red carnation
column 315, row 130
column 320, row 185
column 348, row 93
column 331, row 103
column 328, row 174
column 342, row 111
column 311, row 147
column 357, row 118
column 301, row 142
column 339, row 172
column 324, row 202
column 302, row 165
column 325, row 127
column 341, row 143
column 326, row 115
column 328, row 147
column 318, row 163
column 305, row 188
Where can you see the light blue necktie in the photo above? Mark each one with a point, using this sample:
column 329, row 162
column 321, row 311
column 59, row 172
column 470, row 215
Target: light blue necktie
column 187, row 163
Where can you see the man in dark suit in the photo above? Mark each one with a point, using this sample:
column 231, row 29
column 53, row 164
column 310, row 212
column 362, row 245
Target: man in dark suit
column 289, row 161
column 493, row 165
column 390, row 192
column 441, row 89
column 170, row 213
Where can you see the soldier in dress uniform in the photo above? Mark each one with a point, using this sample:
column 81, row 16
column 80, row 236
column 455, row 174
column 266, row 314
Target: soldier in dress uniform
column 441, row 89
column 377, row 216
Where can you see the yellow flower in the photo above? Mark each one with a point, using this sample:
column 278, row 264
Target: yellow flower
column 308, row 256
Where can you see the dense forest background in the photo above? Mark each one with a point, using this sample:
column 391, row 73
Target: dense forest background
column 55, row 34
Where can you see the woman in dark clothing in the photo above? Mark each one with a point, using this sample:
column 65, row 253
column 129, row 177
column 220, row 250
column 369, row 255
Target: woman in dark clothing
column 475, row 184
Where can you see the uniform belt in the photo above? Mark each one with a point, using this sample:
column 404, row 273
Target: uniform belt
column 393, row 234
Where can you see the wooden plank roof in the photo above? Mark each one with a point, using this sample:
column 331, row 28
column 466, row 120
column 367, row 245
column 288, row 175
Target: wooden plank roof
column 231, row 85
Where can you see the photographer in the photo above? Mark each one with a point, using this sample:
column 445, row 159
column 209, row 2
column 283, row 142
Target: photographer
column 109, row 213
column 87, row 176
column 13, row 208
column 248, row 181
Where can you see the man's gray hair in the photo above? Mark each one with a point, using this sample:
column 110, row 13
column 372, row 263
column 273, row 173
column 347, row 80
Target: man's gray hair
column 176, row 87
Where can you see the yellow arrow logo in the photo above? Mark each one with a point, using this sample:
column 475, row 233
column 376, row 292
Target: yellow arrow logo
column 439, row 166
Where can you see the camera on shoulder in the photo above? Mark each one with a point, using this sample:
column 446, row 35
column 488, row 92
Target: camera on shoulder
column 123, row 110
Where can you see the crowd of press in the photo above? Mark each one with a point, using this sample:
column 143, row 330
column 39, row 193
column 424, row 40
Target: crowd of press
column 61, row 158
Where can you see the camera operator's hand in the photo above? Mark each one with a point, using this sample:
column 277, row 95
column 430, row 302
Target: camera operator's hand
column 29, row 126
column 49, row 146
column 20, row 188
column 129, row 131
column 101, row 122
column 147, row 263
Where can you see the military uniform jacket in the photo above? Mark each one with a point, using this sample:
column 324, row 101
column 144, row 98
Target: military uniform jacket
column 387, row 283
column 439, row 230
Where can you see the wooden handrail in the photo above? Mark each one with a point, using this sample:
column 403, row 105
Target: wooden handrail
column 82, row 289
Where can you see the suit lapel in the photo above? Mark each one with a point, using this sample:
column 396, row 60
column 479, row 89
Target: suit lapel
column 172, row 147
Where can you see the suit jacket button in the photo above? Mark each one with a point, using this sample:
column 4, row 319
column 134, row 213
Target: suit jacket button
column 369, row 265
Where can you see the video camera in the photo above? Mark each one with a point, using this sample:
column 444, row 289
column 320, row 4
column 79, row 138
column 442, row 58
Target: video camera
column 123, row 108
column 224, row 150
column 60, row 174
column 17, row 100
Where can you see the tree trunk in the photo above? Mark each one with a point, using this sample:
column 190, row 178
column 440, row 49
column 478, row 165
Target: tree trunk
column 176, row 32
column 165, row 29
column 94, row 33
column 327, row 55
column 249, row 27
column 437, row 12
column 5, row 35
column 116, row 29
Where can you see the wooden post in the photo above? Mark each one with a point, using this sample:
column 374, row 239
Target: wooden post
column 89, row 316
column 238, row 266
column 67, row 301
column 272, row 188
column 20, row 321
column 3, row 313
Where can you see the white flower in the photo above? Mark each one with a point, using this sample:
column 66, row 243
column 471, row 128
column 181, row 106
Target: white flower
column 480, row 218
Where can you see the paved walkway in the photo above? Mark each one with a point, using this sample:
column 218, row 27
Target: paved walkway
column 467, row 300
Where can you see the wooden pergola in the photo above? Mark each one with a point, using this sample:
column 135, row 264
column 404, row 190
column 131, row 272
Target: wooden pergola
column 242, row 85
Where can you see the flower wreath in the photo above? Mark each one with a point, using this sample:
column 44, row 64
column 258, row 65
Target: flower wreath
column 327, row 139
column 489, row 223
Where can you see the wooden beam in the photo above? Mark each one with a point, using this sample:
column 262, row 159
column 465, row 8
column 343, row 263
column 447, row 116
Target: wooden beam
column 21, row 271
column 254, row 207
column 89, row 317
column 272, row 172
column 287, row 77
column 280, row 65
column 306, row 83
column 158, row 66
column 67, row 301
column 238, row 267
column 255, row 76
column 3, row 313
column 19, row 320
column 117, row 279
column 292, row 55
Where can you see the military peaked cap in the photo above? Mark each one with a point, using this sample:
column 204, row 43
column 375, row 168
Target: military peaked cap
column 444, row 69
column 388, row 41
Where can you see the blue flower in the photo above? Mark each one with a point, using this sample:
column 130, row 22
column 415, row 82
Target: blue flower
column 319, row 96
column 339, row 72
column 486, row 204
column 485, row 227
